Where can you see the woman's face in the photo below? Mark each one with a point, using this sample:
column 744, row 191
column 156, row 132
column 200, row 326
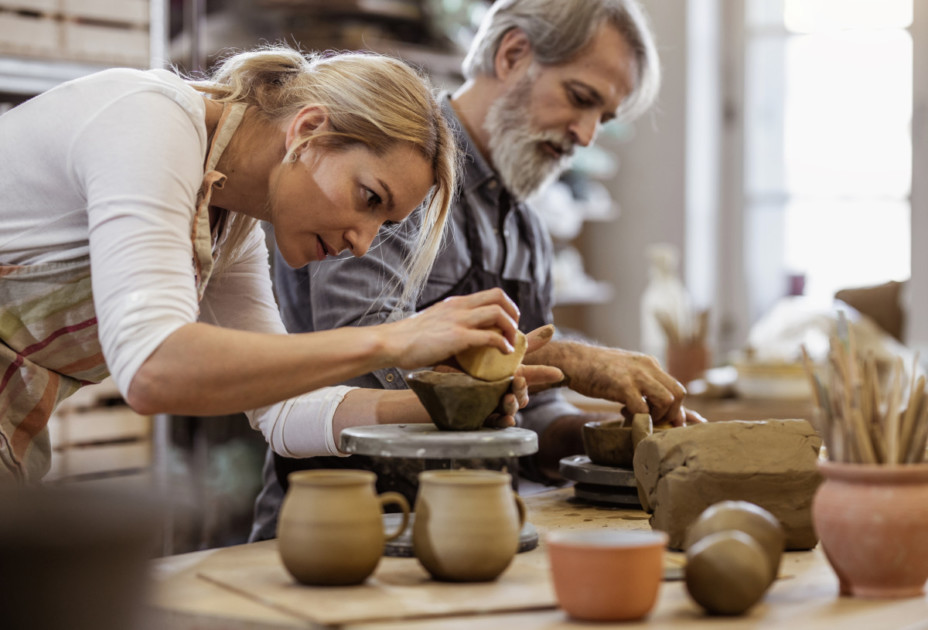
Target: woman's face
column 330, row 201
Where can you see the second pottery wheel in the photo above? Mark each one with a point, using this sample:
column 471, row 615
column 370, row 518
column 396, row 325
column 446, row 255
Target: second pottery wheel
column 600, row 484
column 426, row 441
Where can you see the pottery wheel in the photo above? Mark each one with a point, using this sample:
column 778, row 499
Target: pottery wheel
column 426, row 441
column 401, row 546
column 600, row 484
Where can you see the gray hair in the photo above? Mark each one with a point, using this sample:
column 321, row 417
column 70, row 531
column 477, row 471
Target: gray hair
column 560, row 29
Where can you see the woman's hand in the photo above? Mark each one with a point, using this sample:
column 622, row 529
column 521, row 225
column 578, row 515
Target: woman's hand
column 452, row 325
column 527, row 377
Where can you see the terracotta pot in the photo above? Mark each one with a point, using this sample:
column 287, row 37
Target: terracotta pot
column 330, row 531
column 688, row 361
column 606, row 574
column 467, row 524
column 872, row 520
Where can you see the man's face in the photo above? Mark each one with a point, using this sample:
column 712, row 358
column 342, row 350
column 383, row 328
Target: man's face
column 534, row 127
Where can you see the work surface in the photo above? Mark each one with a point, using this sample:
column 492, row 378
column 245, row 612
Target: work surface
column 246, row 587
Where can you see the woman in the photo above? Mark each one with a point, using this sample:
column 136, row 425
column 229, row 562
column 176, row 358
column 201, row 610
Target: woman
column 130, row 245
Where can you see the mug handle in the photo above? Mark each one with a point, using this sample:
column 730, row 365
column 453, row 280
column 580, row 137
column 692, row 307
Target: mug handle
column 520, row 506
column 400, row 500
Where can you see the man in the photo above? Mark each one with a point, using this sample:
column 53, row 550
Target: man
column 542, row 77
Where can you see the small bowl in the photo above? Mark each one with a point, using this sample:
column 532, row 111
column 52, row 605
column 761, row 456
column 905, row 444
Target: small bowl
column 609, row 443
column 607, row 574
column 456, row 401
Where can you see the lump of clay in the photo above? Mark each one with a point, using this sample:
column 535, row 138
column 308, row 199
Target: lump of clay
column 771, row 463
column 726, row 572
column 745, row 517
column 489, row 364
column 456, row 401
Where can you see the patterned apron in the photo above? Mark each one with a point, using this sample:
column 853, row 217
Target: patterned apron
column 49, row 346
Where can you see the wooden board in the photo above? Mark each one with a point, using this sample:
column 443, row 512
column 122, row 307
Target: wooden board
column 399, row 589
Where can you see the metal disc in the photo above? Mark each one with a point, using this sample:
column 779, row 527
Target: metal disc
column 401, row 546
column 579, row 468
column 426, row 441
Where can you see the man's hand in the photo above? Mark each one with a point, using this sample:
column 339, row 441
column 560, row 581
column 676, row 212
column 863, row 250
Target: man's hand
column 633, row 379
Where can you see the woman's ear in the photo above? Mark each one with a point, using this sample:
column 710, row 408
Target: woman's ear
column 513, row 56
column 305, row 123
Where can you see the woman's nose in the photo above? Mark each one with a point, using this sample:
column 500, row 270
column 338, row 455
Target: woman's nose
column 361, row 238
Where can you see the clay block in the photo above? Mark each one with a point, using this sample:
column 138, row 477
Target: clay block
column 772, row 463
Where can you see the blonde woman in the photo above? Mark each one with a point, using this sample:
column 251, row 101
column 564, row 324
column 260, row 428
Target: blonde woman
column 130, row 245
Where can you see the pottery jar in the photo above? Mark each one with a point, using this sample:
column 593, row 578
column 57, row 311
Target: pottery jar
column 330, row 531
column 872, row 520
column 467, row 524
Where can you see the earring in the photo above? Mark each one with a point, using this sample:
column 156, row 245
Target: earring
column 294, row 157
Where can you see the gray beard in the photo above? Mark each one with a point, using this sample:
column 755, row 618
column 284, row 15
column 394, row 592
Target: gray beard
column 522, row 164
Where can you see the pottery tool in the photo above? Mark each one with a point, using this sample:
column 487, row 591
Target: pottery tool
column 691, row 330
column 862, row 421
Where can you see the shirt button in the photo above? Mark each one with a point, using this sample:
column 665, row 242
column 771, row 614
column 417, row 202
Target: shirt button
column 390, row 378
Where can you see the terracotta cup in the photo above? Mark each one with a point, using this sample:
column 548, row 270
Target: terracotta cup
column 872, row 520
column 330, row 531
column 606, row 574
column 687, row 361
column 467, row 524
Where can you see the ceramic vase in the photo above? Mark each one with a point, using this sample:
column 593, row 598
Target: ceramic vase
column 467, row 524
column 330, row 531
column 872, row 521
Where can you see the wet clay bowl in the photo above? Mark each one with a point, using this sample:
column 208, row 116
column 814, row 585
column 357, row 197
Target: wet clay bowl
column 609, row 443
column 606, row 574
column 456, row 401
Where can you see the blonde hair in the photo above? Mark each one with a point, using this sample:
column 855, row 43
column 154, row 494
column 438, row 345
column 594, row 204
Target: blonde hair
column 560, row 29
column 371, row 100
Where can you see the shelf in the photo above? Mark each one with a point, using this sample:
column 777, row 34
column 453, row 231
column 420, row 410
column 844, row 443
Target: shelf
column 19, row 75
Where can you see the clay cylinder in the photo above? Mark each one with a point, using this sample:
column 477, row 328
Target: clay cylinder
column 330, row 531
column 467, row 524
column 726, row 572
column 746, row 517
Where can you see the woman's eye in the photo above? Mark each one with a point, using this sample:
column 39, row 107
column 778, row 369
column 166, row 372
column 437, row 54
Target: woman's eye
column 372, row 198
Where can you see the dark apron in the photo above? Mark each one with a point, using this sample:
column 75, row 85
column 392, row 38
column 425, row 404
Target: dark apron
column 401, row 474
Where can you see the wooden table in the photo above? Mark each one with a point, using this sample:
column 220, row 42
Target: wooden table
column 805, row 596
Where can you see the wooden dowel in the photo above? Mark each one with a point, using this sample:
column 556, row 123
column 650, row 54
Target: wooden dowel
column 892, row 413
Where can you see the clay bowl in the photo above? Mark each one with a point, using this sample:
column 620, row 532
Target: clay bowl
column 746, row 517
column 609, row 443
column 456, row 401
column 606, row 574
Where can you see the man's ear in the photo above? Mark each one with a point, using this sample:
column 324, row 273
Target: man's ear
column 307, row 121
column 513, row 56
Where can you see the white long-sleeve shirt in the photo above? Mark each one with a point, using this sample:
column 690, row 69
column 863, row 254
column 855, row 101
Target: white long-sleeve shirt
column 109, row 166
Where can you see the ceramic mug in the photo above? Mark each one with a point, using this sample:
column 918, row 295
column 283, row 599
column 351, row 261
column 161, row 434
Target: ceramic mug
column 330, row 531
column 467, row 524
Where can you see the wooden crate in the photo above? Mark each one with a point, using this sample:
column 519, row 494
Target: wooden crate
column 120, row 11
column 101, row 43
column 106, row 32
column 29, row 35
column 96, row 436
